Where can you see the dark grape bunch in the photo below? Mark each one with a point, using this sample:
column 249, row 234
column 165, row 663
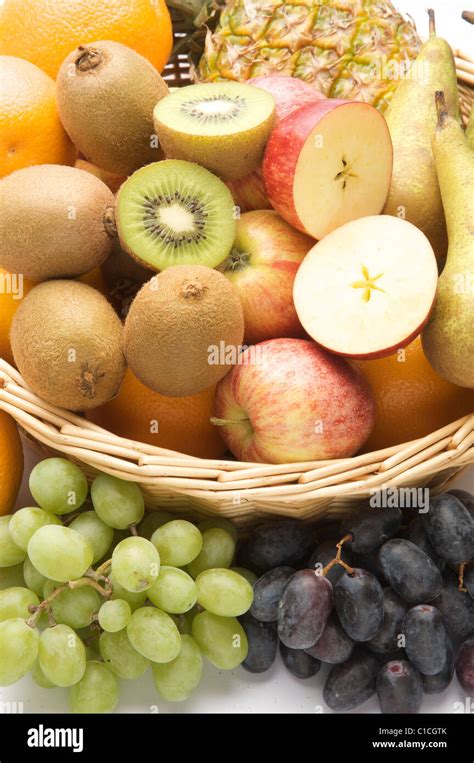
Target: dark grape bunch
column 389, row 607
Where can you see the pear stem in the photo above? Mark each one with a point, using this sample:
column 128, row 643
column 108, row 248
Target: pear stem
column 432, row 22
column 468, row 16
column 441, row 108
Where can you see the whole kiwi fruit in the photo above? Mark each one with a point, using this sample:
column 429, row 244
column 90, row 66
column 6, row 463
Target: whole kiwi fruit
column 55, row 222
column 67, row 344
column 184, row 330
column 106, row 95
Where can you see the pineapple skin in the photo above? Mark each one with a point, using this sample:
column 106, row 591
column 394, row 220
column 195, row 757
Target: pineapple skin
column 351, row 49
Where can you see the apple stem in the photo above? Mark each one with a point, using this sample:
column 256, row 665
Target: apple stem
column 432, row 23
column 236, row 260
column 225, row 422
column 441, row 108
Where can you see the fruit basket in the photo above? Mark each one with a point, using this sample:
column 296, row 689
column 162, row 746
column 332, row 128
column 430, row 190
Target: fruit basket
column 242, row 492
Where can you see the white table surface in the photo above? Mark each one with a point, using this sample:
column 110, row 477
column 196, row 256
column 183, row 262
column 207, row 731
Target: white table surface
column 275, row 691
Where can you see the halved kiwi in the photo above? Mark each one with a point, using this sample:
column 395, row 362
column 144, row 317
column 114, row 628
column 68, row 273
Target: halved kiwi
column 221, row 125
column 175, row 213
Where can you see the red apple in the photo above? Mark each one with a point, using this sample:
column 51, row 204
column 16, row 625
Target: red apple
column 289, row 93
column 327, row 163
column 368, row 288
column 249, row 192
column 289, row 400
column 262, row 266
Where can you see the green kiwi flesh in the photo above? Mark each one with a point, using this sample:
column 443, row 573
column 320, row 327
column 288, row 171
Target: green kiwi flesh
column 175, row 322
column 223, row 126
column 106, row 94
column 67, row 344
column 55, row 222
column 175, row 213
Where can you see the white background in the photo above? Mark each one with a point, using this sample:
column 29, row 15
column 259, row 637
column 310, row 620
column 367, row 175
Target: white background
column 275, row 691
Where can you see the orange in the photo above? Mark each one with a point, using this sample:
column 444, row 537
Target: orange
column 176, row 423
column 30, row 130
column 11, row 463
column 45, row 32
column 12, row 291
column 412, row 400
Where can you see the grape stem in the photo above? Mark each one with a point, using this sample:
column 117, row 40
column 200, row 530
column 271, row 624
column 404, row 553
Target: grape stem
column 133, row 530
column 337, row 559
column 46, row 604
column 462, row 569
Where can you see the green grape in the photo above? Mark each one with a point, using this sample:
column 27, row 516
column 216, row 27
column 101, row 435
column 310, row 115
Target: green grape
column 152, row 521
column 176, row 680
column 76, row 607
column 58, row 486
column 154, row 634
column 12, row 576
column 249, row 576
column 62, row 655
column 96, row 692
column 39, row 677
column 221, row 639
column 99, row 535
column 122, row 659
column 33, row 579
column 174, row 591
column 50, row 586
column 60, row 553
column 10, row 553
column 117, row 502
column 179, row 542
column 25, row 522
column 218, row 550
column 14, row 602
column 224, row 592
column 115, row 615
column 135, row 564
column 135, row 598
column 91, row 636
column 18, row 650
column 224, row 524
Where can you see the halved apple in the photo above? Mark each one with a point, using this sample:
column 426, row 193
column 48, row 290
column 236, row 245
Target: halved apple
column 367, row 288
column 327, row 163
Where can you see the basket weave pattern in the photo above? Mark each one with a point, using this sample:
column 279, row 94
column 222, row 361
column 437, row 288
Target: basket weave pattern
column 242, row 492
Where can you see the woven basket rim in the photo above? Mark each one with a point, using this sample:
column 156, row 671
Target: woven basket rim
column 282, row 488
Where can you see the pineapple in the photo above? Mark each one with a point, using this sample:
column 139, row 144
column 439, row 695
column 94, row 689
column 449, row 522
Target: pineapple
column 354, row 49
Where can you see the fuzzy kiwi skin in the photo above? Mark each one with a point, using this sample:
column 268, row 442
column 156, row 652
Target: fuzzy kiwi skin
column 106, row 94
column 56, row 222
column 173, row 321
column 67, row 344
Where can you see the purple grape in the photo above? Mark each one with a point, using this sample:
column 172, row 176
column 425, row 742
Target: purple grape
column 324, row 554
column 371, row 527
column 358, row 599
column 385, row 640
column 467, row 499
column 465, row 666
column 457, row 608
column 417, row 535
column 440, row 681
column 410, row 572
column 352, row 682
column 299, row 663
column 279, row 544
column 334, row 645
column 267, row 591
column 304, row 608
column 399, row 688
column 263, row 644
column 426, row 641
column 450, row 528
column 370, row 562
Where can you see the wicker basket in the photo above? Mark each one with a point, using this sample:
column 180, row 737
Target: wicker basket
column 243, row 492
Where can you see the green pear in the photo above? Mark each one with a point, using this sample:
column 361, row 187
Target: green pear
column 448, row 339
column 414, row 192
column 470, row 129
